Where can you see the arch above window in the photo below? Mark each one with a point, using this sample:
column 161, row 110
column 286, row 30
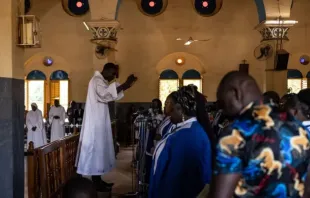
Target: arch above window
column 168, row 74
column 294, row 73
column 191, row 74
column 36, row 75
column 59, row 75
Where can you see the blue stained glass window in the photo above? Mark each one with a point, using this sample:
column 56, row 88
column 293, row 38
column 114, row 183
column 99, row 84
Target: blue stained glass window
column 294, row 73
column 169, row 74
column 59, row 75
column 36, row 75
column 191, row 74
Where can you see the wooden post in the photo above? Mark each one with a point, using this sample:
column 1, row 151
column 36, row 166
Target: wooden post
column 75, row 131
column 31, row 171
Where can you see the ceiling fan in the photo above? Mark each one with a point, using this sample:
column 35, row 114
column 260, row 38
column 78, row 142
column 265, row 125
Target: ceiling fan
column 190, row 40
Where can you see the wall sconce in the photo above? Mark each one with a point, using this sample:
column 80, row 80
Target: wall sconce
column 304, row 59
column 48, row 61
column 180, row 61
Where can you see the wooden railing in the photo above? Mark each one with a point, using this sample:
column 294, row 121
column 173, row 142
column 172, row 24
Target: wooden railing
column 51, row 166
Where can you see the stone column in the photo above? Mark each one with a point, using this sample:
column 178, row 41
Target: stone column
column 11, row 103
column 273, row 78
column 104, row 37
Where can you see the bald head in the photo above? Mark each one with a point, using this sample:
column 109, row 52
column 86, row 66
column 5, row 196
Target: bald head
column 235, row 91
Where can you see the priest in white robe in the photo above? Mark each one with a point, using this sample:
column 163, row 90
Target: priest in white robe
column 36, row 132
column 57, row 116
column 96, row 155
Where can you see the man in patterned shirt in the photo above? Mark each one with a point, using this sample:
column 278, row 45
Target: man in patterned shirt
column 264, row 153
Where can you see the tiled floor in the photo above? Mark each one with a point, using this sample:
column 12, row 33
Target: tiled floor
column 120, row 176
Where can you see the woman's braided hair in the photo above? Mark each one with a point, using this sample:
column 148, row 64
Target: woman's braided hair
column 186, row 97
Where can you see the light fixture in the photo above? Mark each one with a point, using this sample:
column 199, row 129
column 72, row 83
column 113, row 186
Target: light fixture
column 180, row 61
column 280, row 22
column 79, row 4
column 86, row 26
column 48, row 61
column 304, row 59
column 205, row 4
column 151, row 4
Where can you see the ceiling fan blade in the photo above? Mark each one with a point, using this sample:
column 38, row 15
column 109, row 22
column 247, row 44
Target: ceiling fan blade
column 187, row 43
column 205, row 40
column 179, row 39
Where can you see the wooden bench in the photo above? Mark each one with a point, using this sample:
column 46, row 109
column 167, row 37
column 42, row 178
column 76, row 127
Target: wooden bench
column 51, row 166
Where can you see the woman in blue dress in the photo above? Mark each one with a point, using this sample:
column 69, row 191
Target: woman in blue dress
column 182, row 159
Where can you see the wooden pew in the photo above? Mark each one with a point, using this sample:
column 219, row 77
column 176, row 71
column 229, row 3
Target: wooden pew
column 33, row 178
column 51, row 166
column 70, row 145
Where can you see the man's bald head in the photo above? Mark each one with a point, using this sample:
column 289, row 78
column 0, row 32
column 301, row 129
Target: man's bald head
column 235, row 91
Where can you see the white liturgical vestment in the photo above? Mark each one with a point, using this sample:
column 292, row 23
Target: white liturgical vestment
column 96, row 154
column 38, row 136
column 57, row 128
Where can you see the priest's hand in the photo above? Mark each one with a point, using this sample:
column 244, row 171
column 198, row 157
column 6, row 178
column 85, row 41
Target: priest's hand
column 130, row 80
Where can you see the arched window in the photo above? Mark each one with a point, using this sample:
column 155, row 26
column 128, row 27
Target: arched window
column 295, row 81
column 192, row 77
column 168, row 82
column 59, row 88
column 35, row 90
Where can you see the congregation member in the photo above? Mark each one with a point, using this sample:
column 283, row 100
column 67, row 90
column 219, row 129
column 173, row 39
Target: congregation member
column 156, row 116
column 299, row 106
column 203, row 115
column 182, row 159
column 71, row 113
column 25, row 116
column 164, row 126
column 36, row 131
column 271, row 97
column 96, row 155
column 264, row 152
column 79, row 114
column 57, row 116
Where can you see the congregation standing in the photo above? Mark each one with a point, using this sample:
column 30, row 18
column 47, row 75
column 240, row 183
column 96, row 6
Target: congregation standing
column 39, row 132
column 261, row 148
column 257, row 146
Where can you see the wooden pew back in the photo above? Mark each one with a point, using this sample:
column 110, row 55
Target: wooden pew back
column 51, row 166
column 70, row 145
column 33, row 178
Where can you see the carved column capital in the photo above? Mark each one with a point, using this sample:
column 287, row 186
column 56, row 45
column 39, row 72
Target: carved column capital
column 104, row 35
column 104, row 31
column 274, row 31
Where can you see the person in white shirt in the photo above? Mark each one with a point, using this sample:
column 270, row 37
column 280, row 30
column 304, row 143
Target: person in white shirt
column 96, row 155
column 57, row 116
column 36, row 132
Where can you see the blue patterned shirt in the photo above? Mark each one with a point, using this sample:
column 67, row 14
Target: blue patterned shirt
column 269, row 149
